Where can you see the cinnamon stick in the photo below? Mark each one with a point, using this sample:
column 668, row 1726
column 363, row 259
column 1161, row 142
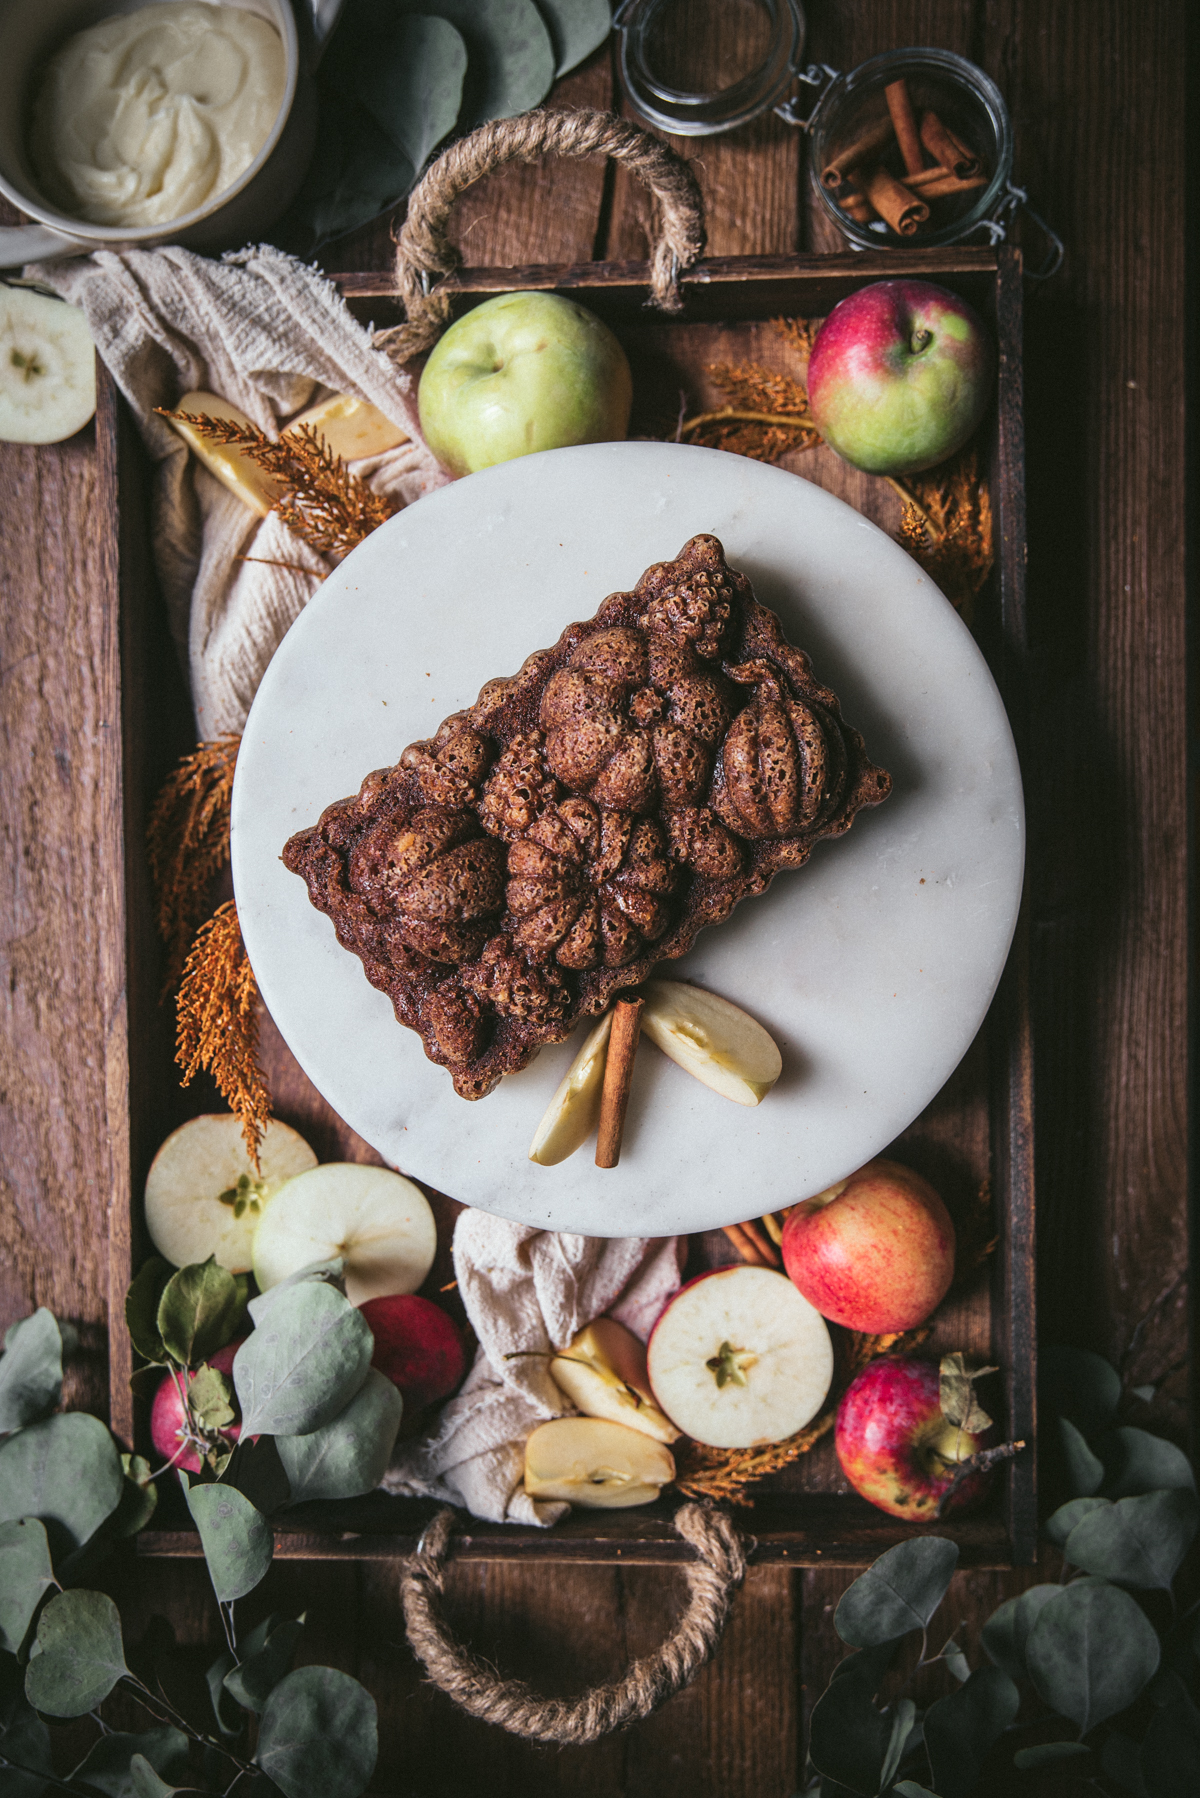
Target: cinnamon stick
column 903, row 211
column 866, row 145
column 904, row 123
column 762, row 1241
column 920, row 181
column 945, row 148
column 853, row 201
column 948, row 184
column 618, row 1074
column 745, row 1245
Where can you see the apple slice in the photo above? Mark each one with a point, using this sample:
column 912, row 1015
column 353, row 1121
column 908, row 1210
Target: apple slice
column 239, row 472
column 378, row 1222
column 203, row 1196
column 717, row 1042
column 603, row 1372
column 351, row 427
column 734, row 1360
column 600, row 1465
column 47, row 368
column 573, row 1112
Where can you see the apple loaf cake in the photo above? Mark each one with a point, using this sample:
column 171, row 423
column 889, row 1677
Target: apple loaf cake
column 586, row 817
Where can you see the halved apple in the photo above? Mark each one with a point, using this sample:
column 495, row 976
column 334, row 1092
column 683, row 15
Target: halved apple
column 203, row 1196
column 734, row 1360
column 47, row 367
column 574, row 1111
column 351, row 427
column 717, row 1042
column 599, row 1465
column 377, row 1221
column 603, row 1372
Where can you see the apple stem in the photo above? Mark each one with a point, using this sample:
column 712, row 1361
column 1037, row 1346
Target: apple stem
column 920, row 340
column 980, row 1463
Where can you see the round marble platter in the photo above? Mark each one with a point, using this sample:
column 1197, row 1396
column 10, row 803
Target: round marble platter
column 872, row 966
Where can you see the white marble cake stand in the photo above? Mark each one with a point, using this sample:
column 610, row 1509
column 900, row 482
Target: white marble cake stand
column 872, row 967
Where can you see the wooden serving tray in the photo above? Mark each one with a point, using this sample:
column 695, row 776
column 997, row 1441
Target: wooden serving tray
column 980, row 1126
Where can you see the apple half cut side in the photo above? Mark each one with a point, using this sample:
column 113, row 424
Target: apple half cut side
column 47, row 367
column 740, row 1357
column 600, row 1465
column 602, row 1371
column 574, row 1111
column 718, row 1042
column 203, row 1195
column 378, row 1222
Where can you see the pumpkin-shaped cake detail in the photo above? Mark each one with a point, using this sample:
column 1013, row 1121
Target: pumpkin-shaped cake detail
column 695, row 608
column 433, row 879
column 449, row 770
column 783, row 762
column 515, row 984
column 518, row 788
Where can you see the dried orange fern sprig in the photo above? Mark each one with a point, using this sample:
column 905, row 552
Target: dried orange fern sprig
column 187, row 840
column 217, row 1023
column 946, row 526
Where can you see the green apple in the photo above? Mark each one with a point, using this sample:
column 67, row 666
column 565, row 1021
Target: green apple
column 522, row 372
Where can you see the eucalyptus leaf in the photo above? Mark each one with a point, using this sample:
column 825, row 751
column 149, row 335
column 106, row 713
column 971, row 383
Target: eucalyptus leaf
column 350, row 1455
column 25, row 1578
column 262, row 1667
column 199, row 1312
column 1137, row 1462
column 316, row 1273
column 510, row 58
column 144, row 1782
column 24, row 1738
column 303, row 1363
column 1048, row 1754
column 1120, row 1759
column 318, row 1735
column 141, row 1307
column 139, row 1497
column 30, row 1370
column 414, row 93
column 229, row 1718
column 108, row 1765
column 962, row 1728
column 898, row 1592
column 1060, row 1523
column 1078, row 1384
column 903, row 1714
column 1006, row 1631
column 1090, row 1653
column 577, row 27
column 956, row 1661
column 65, row 1470
column 237, row 1540
column 1138, row 1541
column 256, row 1471
column 1085, row 1470
column 79, row 1655
column 850, row 1737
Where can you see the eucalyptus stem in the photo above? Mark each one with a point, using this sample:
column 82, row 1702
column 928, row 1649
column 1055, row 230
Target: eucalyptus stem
column 48, row 1779
column 169, row 1714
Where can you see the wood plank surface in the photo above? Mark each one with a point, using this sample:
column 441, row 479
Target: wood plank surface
column 1097, row 100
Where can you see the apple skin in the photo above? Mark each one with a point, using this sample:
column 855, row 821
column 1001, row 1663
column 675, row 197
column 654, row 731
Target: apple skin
column 875, row 1252
column 166, row 1412
column 417, row 1347
column 522, row 372
column 899, row 376
column 896, row 1447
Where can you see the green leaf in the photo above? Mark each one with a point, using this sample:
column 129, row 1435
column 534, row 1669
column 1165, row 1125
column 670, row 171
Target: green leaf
column 141, row 1307
column 262, row 1667
column 317, row 1273
column 1137, row 1542
column 577, row 27
column 1060, row 1523
column 1091, row 1652
column 144, row 1782
column 303, row 1364
column 319, row 1736
column 237, row 1540
column 199, row 1312
column 1085, row 1471
column 209, row 1394
column 65, row 1470
column 350, row 1455
column 139, row 1497
column 31, row 1371
column 1170, row 1757
column 904, row 1713
column 78, row 1656
column 413, row 90
column 108, row 1766
column 1077, row 1384
column 1138, row 1462
column 1047, row 1754
column 956, row 1393
column 898, row 1592
column 229, row 1719
column 510, row 59
column 849, row 1737
column 25, row 1578
column 24, row 1738
column 961, row 1729
column 956, row 1661
column 1006, row 1631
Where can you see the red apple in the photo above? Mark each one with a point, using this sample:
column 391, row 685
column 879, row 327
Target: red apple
column 417, row 1346
column 875, row 1252
column 900, row 375
column 167, row 1414
column 897, row 1448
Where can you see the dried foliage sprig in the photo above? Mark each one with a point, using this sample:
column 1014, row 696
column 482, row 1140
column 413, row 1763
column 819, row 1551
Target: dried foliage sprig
column 217, row 1023
column 766, row 414
column 946, row 526
column 187, row 840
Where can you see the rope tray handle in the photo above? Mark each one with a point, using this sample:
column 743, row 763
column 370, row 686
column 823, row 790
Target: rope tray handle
column 424, row 253
column 713, row 1578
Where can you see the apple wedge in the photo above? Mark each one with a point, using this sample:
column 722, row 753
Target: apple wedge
column 734, row 1360
column 352, row 428
column 603, row 1373
column 235, row 470
column 47, row 368
column 717, row 1042
column 600, row 1465
column 572, row 1113
column 378, row 1222
column 203, row 1196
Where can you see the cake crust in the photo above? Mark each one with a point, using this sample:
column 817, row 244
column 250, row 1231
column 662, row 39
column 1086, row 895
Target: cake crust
column 586, row 817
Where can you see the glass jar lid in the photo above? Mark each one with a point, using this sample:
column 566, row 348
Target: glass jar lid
column 669, row 59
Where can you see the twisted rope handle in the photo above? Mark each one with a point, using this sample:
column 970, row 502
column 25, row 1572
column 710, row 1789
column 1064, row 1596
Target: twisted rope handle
column 712, row 1579
column 424, row 253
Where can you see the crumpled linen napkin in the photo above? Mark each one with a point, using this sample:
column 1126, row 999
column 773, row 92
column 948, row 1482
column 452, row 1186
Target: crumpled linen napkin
column 272, row 335
column 526, row 1289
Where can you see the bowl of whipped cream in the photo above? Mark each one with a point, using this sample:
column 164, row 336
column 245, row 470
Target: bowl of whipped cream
column 173, row 121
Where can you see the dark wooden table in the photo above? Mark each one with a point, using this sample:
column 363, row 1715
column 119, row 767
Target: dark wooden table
column 1097, row 96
